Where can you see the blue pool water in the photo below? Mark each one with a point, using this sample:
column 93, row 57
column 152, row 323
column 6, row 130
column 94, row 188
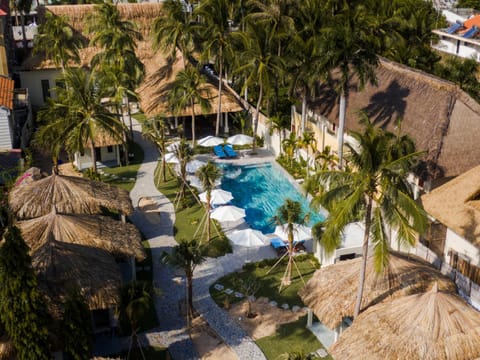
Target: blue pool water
column 261, row 190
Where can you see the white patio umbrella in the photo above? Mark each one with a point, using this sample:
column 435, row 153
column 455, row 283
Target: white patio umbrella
column 300, row 232
column 194, row 165
column 218, row 197
column 210, row 141
column 240, row 139
column 171, row 158
column 248, row 238
column 197, row 184
column 173, row 146
column 228, row 213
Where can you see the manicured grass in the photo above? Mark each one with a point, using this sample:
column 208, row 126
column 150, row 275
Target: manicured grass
column 189, row 216
column 151, row 353
column 127, row 172
column 292, row 337
column 269, row 283
column 289, row 337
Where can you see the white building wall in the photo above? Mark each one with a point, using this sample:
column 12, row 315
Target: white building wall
column 83, row 162
column 33, row 81
column 463, row 247
column 5, row 134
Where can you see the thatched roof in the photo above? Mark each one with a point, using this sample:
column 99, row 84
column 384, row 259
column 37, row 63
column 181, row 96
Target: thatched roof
column 60, row 265
column 120, row 239
column 331, row 292
column 69, row 195
column 456, row 204
column 153, row 89
column 430, row 326
column 441, row 118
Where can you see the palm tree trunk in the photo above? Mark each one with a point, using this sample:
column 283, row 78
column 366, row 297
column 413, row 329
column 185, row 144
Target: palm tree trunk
column 219, row 111
column 361, row 283
column 24, row 36
column 162, row 149
column 193, row 123
column 304, row 115
column 255, row 120
column 189, row 296
column 341, row 126
column 94, row 156
column 208, row 215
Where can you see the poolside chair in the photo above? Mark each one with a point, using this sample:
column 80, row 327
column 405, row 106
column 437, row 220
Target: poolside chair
column 219, row 152
column 299, row 246
column 279, row 245
column 229, row 151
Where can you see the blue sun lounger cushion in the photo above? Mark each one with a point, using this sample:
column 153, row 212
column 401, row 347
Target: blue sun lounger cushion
column 229, row 151
column 277, row 243
column 219, row 151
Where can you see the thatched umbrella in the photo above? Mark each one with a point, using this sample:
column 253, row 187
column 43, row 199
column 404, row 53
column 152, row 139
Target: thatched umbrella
column 429, row 326
column 60, row 266
column 98, row 231
column 331, row 292
column 69, row 194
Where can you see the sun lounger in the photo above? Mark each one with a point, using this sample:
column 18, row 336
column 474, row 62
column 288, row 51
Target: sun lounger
column 219, row 152
column 299, row 245
column 228, row 149
column 279, row 245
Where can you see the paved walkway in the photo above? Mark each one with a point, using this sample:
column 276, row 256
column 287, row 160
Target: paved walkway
column 172, row 332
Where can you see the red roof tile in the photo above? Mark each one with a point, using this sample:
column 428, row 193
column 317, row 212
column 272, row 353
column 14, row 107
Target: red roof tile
column 6, row 92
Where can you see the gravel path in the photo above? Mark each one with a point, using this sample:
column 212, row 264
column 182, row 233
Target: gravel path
column 172, row 331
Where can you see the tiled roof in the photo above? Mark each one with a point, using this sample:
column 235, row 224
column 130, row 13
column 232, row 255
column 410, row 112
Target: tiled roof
column 6, row 92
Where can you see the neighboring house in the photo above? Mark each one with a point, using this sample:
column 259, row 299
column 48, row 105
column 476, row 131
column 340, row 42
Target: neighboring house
column 108, row 152
column 462, row 37
column 454, row 234
column 16, row 124
column 443, row 120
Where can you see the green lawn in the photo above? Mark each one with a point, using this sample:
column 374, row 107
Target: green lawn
column 188, row 219
column 292, row 337
column 127, row 172
column 269, row 283
column 289, row 337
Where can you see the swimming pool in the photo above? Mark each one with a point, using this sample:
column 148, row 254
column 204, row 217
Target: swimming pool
column 261, row 189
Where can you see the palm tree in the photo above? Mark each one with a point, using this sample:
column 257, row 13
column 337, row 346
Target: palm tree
column 83, row 115
column 279, row 122
column 308, row 141
column 186, row 255
column 186, row 91
column 56, row 38
column 348, row 45
column 305, row 61
column 258, row 63
column 208, row 174
column 184, row 153
column 174, row 30
column 375, row 190
column 290, row 215
column 154, row 130
column 290, row 147
column 215, row 33
column 118, row 61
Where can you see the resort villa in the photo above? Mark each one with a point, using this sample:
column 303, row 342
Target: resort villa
column 72, row 241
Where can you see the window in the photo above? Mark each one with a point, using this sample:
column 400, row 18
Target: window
column 110, row 149
column 45, row 89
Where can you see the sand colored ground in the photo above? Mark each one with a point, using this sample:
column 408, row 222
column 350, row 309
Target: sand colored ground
column 208, row 344
column 268, row 318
